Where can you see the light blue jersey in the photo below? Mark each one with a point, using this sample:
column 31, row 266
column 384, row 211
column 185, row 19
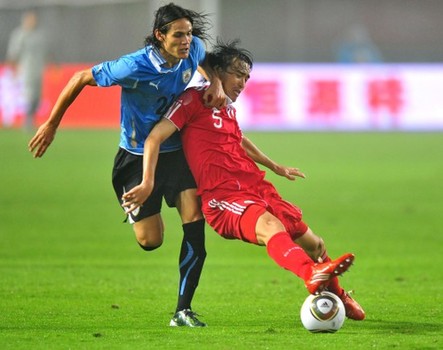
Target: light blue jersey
column 148, row 89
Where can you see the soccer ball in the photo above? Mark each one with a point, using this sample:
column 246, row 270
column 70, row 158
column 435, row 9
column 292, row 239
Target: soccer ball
column 322, row 313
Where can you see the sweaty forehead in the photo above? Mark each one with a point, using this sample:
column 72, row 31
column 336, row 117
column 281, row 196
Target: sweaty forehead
column 240, row 66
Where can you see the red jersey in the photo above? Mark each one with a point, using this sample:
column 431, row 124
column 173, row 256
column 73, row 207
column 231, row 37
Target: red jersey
column 212, row 144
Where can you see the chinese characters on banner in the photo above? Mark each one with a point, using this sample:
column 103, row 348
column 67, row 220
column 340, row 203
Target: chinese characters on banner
column 334, row 97
column 280, row 97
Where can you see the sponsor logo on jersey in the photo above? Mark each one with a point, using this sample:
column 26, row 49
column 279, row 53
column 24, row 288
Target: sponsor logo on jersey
column 151, row 83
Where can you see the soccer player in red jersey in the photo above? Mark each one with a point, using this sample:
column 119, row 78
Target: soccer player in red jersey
column 237, row 201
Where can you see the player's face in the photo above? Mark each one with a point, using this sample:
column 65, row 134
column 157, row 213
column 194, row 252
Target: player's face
column 234, row 79
column 177, row 41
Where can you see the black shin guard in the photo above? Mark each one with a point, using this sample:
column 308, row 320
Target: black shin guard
column 192, row 258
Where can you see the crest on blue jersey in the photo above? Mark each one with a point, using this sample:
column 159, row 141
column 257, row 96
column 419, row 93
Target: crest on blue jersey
column 186, row 75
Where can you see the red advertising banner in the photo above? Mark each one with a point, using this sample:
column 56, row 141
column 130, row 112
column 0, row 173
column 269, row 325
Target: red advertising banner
column 95, row 107
column 309, row 97
column 280, row 97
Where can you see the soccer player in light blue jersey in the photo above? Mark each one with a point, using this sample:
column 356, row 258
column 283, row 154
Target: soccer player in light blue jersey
column 150, row 80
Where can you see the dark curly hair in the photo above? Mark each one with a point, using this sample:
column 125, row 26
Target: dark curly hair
column 223, row 54
column 167, row 14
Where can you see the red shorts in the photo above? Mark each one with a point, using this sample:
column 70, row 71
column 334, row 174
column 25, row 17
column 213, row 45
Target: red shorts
column 234, row 214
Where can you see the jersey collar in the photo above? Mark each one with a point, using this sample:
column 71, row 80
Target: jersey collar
column 159, row 62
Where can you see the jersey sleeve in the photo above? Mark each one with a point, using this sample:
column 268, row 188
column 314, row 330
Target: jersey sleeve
column 121, row 72
column 184, row 108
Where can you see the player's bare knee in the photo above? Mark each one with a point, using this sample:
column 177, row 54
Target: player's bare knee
column 267, row 226
column 149, row 244
column 149, row 248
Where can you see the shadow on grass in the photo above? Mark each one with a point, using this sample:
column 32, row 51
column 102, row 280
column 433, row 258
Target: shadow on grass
column 404, row 327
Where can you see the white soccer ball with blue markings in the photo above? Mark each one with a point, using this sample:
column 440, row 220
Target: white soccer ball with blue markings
column 322, row 313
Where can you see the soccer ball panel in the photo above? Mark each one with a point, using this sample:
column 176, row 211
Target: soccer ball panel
column 322, row 313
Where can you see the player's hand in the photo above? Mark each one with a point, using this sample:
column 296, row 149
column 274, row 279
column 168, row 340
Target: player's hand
column 288, row 172
column 135, row 198
column 42, row 140
column 214, row 95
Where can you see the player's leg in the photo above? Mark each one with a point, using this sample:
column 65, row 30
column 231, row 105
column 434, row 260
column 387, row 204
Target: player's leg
column 149, row 232
column 191, row 259
column 316, row 249
column 271, row 232
column 280, row 247
column 182, row 194
column 146, row 220
column 148, row 225
column 313, row 245
column 192, row 252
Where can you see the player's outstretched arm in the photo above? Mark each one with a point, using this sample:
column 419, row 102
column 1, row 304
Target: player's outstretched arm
column 46, row 133
column 135, row 197
column 259, row 157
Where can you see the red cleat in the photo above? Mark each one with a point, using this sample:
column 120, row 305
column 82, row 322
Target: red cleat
column 353, row 310
column 323, row 272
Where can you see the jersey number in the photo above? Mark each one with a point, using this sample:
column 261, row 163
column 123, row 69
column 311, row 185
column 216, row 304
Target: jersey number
column 164, row 104
column 218, row 121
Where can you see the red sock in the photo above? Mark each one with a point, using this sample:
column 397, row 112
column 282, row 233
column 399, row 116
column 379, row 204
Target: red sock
column 333, row 286
column 289, row 255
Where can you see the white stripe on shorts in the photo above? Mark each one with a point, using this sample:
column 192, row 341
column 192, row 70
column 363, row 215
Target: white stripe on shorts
column 224, row 205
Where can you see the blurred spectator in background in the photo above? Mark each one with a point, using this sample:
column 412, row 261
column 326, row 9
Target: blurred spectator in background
column 27, row 53
column 357, row 47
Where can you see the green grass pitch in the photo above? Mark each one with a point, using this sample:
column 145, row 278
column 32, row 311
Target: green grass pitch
column 73, row 277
